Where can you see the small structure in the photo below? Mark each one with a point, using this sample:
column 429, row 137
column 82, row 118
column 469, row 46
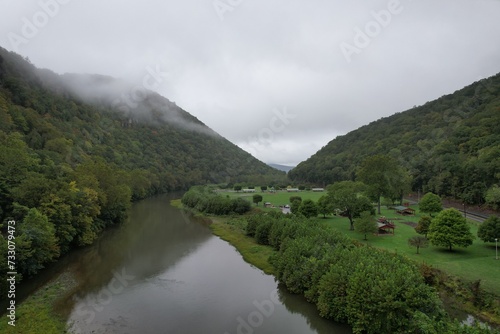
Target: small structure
column 292, row 190
column 318, row 189
column 248, row 190
column 385, row 226
column 405, row 211
column 268, row 205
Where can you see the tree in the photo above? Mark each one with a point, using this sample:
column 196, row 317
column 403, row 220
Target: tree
column 383, row 176
column 308, row 208
column 324, row 206
column 492, row 197
column 423, row 225
column 257, row 199
column 401, row 184
column 430, row 203
column 348, row 197
column 295, row 198
column 449, row 229
column 39, row 234
column 418, row 241
column 489, row 230
column 237, row 188
column 263, row 188
column 240, row 206
column 294, row 207
column 365, row 224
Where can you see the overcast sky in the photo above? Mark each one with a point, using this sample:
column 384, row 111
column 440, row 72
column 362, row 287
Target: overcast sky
column 278, row 78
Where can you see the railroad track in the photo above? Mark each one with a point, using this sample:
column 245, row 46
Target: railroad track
column 474, row 216
column 470, row 215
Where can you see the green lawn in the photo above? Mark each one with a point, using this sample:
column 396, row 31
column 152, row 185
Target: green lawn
column 278, row 198
column 471, row 263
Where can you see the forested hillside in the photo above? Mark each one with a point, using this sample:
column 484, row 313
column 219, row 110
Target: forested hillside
column 74, row 152
column 451, row 146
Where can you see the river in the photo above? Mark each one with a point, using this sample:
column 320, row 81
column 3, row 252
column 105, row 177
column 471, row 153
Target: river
column 163, row 271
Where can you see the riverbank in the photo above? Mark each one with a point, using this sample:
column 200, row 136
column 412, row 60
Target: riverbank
column 456, row 294
column 253, row 253
column 232, row 230
column 37, row 314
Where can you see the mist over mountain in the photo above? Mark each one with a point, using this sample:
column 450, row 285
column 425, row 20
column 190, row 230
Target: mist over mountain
column 134, row 101
column 450, row 146
column 123, row 122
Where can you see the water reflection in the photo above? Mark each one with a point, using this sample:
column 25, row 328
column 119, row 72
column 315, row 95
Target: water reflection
column 164, row 272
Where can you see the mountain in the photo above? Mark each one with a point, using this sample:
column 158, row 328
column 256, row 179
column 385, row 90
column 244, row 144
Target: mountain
column 75, row 150
column 282, row 167
column 99, row 116
column 451, row 146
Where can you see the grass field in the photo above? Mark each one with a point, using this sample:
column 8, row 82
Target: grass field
column 476, row 262
column 278, row 198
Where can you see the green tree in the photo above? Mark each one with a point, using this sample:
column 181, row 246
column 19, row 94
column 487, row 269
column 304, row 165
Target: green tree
column 383, row 176
column 430, row 203
column 58, row 211
column 449, row 228
column 257, row 199
column 263, row 188
column 348, row 197
column 423, row 225
column 365, row 224
column 295, row 198
column 85, row 209
column 384, row 292
column 418, row 242
column 240, row 205
column 308, row 208
column 401, row 184
column 107, row 180
column 237, row 188
column 16, row 161
column 489, row 230
column 492, row 196
column 295, row 205
column 325, row 205
column 39, row 234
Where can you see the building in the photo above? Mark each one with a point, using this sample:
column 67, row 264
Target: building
column 385, row 226
column 405, row 211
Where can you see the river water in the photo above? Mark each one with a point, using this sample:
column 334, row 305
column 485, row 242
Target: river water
column 164, row 272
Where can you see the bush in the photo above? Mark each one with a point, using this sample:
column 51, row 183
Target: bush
column 262, row 232
column 203, row 200
column 241, row 206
